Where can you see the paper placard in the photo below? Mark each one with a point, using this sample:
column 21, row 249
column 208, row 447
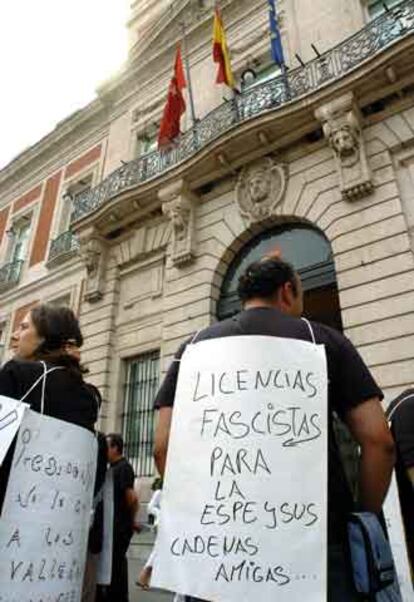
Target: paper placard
column 244, row 512
column 104, row 568
column 46, row 514
column 11, row 415
column 396, row 534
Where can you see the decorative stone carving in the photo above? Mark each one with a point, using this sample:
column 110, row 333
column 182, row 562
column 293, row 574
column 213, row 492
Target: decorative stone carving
column 94, row 253
column 341, row 122
column 260, row 188
column 178, row 206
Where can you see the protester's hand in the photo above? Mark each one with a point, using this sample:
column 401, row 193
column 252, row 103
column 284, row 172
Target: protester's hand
column 137, row 527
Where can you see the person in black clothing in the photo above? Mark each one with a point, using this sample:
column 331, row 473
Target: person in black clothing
column 125, row 508
column 272, row 298
column 401, row 415
column 43, row 335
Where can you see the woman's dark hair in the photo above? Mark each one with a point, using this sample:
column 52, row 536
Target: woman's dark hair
column 58, row 326
column 264, row 278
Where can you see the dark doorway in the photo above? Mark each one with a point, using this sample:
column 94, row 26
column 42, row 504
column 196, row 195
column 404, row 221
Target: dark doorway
column 311, row 255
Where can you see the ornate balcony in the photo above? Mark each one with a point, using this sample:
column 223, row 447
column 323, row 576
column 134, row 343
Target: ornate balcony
column 63, row 247
column 338, row 62
column 10, row 275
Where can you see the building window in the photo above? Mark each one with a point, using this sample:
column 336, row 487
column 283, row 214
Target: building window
column 19, row 239
column 146, row 142
column 377, row 7
column 69, row 198
column 250, row 78
column 62, row 301
column 142, row 377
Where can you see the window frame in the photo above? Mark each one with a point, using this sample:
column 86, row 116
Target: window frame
column 138, row 415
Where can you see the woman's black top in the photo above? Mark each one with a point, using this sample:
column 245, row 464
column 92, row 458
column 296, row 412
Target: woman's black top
column 67, row 398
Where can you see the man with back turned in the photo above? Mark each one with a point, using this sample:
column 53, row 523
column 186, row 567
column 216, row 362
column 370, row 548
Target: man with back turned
column 272, row 297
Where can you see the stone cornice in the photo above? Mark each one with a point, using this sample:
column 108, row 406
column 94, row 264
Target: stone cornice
column 79, row 131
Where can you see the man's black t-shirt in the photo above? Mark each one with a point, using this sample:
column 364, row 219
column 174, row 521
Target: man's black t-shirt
column 402, row 426
column 350, row 384
column 123, row 480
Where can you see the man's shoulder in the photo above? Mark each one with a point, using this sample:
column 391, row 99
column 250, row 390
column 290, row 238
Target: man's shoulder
column 219, row 329
column 402, row 404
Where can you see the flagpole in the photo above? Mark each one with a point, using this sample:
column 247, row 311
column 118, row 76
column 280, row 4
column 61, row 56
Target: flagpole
column 188, row 72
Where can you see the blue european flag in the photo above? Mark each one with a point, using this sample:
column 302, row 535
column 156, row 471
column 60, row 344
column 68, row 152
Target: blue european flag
column 275, row 39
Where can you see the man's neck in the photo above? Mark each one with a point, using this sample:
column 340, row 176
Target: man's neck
column 115, row 460
column 257, row 303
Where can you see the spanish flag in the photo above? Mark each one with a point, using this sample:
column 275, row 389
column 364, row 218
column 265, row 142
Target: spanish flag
column 175, row 105
column 221, row 53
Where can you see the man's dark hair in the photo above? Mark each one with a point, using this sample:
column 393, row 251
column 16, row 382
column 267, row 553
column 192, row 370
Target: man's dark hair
column 116, row 440
column 264, row 278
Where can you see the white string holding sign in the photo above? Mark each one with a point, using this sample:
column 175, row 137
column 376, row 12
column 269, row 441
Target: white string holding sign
column 12, row 412
column 244, row 512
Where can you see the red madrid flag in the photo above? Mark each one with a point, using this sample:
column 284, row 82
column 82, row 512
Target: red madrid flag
column 175, row 105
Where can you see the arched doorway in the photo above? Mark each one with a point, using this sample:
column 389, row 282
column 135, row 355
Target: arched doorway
column 309, row 252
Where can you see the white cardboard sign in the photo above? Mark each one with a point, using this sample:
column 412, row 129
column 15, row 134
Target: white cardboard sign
column 45, row 521
column 11, row 415
column 104, row 568
column 244, row 512
column 395, row 528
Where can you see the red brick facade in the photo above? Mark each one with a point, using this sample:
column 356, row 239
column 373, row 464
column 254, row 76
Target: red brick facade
column 87, row 159
column 45, row 219
column 4, row 214
column 27, row 198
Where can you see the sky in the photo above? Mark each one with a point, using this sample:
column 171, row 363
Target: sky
column 53, row 55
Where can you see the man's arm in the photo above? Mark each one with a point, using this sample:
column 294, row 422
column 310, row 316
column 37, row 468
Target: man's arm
column 369, row 428
column 162, row 436
column 132, row 502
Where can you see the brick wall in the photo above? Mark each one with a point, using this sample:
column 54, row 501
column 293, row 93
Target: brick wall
column 45, row 219
column 27, row 198
column 4, row 214
column 86, row 159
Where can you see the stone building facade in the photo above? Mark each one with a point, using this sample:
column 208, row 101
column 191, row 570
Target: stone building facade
column 146, row 246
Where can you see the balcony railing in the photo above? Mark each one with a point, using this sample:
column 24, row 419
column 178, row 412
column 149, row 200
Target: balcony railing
column 63, row 247
column 330, row 66
column 10, row 274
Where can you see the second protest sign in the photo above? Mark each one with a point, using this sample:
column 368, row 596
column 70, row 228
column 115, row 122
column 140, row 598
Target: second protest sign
column 245, row 496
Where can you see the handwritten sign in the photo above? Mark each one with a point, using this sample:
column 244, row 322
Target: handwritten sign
column 104, row 568
column 46, row 513
column 11, row 415
column 396, row 534
column 244, row 514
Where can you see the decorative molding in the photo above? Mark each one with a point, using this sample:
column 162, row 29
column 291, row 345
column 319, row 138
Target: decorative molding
column 178, row 206
column 260, row 188
column 341, row 123
column 248, row 43
column 94, row 252
column 143, row 242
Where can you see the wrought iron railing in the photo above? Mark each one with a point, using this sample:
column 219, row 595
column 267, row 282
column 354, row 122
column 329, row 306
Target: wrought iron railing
column 64, row 245
column 10, row 274
column 138, row 420
column 330, row 66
